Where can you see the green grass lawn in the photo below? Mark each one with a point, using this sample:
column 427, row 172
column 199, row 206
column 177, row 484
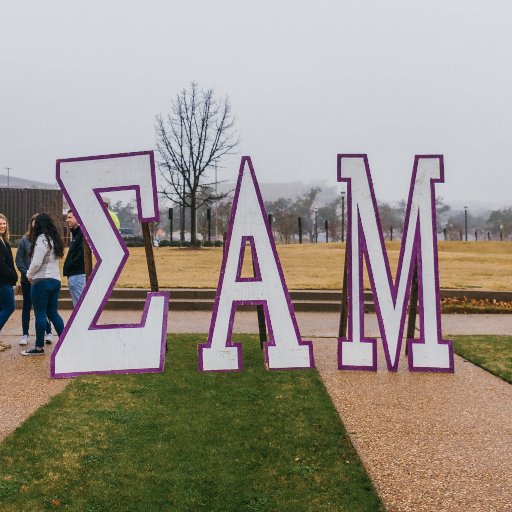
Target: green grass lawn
column 492, row 353
column 183, row 441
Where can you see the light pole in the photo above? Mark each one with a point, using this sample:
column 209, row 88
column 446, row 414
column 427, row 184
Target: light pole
column 209, row 220
column 501, row 232
column 316, row 225
column 216, row 201
column 466, row 223
column 8, row 175
column 182, row 213
column 343, row 216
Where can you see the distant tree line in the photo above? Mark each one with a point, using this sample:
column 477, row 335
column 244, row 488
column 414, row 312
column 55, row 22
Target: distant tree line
column 285, row 212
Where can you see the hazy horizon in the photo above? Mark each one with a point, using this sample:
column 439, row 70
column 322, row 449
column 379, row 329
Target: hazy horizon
column 306, row 81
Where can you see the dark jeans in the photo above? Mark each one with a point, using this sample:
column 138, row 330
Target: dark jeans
column 27, row 306
column 6, row 303
column 45, row 298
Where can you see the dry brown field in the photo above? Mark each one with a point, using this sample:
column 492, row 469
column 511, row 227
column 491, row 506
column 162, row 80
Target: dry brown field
column 469, row 265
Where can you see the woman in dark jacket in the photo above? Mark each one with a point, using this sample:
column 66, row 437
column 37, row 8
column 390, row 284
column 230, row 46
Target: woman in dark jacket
column 23, row 264
column 8, row 277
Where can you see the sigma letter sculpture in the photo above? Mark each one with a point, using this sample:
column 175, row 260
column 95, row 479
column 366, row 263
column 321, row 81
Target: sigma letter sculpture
column 87, row 347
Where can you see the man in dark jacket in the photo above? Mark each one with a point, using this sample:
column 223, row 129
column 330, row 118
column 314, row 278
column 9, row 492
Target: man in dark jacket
column 74, row 268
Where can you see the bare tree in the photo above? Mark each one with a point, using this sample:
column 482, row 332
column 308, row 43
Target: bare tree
column 191, row 140
column 285, row 218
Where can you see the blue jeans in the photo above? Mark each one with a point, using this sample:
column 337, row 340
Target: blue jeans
column 27, row 306
column 76, row 286
column 6, row 303
column 45, row 298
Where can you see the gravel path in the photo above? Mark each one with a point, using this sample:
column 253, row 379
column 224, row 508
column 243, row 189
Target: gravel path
column 429, row 442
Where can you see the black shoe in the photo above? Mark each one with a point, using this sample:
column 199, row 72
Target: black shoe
column 34, row 351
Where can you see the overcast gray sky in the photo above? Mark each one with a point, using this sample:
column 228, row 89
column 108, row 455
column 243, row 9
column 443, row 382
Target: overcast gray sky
column 307, row 80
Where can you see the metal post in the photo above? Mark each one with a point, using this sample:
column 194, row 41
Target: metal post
column 300, row 230
column 444, row 232
column 476, row 235
column 466, row 222
column 316, row 225
column 182, row 215
column 343, row 216
column 488, row 236
column 269, row 216
column 413, row 306
column 501, row 232
column 391, row 233
column 171, row 215
column 216, row 202
column 326, row 225
column 150, row 258
column 460, row 233
column 342, row 331
column 209, row 219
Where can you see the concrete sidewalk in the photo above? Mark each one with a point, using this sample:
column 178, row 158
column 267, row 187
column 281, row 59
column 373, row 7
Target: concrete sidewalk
column 319, row 325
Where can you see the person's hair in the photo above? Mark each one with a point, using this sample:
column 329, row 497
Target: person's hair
column 30, row 228
column 44, row 225
column 5, row 235
column 70, row 211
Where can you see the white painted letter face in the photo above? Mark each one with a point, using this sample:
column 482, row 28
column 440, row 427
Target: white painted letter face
column 84, row 346
column 430, row 352
column 248, row 224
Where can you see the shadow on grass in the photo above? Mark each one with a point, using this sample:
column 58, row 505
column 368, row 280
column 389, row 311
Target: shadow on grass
column 187, row 441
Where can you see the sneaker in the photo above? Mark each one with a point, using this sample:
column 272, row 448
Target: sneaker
column 34, row 351
column 48, row 338
column 23, row 340
column 5, row 345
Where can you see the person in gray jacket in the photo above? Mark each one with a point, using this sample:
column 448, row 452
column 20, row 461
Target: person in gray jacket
column 23, row 264
column 44, row 274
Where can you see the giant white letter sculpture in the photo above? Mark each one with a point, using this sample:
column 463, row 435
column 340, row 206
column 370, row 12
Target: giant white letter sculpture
column 430, row 352
column 86, row 347
column 248, row 224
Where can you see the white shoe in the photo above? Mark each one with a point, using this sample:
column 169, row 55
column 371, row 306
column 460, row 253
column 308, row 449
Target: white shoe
column 48, row 338
column 23, row 340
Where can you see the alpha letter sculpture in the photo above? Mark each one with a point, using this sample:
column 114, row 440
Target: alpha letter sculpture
column 430, row 352
column 86, row 347
column 248, row 224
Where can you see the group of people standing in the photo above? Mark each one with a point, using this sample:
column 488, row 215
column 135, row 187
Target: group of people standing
column 37, row 259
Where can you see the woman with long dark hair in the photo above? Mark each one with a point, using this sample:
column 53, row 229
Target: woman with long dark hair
column 8, row 277
column 46, row 251
column 23, row 264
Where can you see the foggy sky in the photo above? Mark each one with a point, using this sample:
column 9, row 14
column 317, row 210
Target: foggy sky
column 307, row 80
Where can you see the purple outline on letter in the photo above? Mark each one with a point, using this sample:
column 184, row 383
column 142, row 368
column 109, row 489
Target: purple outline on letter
column 271, row 342
column 256, row 266
column 415, row 255
column 94, row 325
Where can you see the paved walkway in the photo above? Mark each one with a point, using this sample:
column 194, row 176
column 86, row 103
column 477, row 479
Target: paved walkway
column 429, row 442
